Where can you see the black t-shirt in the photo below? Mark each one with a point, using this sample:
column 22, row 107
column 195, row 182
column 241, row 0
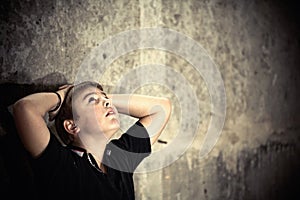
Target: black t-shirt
column 71, row 173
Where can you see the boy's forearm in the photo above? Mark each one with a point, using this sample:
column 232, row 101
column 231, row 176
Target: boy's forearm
column 40, row 103
column 138, row 106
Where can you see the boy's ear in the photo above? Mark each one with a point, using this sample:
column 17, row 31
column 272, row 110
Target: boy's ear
column 71, row 127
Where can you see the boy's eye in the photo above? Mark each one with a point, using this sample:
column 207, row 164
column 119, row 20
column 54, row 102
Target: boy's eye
column 93, row 99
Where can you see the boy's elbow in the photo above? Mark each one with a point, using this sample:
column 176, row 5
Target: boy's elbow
column 20, row 106
column 167, row 106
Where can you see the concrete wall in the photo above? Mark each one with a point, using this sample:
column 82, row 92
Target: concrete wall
column 255, row 46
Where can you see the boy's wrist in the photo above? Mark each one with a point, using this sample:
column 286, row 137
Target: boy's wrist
column 58, row 103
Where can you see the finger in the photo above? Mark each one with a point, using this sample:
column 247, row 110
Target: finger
column 64, row 86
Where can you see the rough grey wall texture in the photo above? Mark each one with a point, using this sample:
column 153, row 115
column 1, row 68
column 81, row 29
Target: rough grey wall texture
column 255, row 45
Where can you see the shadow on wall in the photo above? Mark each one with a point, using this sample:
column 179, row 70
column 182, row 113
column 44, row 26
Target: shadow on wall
column 16, row 176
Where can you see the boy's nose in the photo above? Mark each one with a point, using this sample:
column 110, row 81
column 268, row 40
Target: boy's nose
column 107, row 103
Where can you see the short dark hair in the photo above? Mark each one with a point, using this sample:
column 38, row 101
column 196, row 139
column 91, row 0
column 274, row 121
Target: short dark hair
column 66, row 110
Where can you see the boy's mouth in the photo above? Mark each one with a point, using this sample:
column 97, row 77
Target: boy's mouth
column 109, row 112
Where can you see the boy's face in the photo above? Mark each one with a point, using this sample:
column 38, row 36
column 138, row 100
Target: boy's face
column 95, row 113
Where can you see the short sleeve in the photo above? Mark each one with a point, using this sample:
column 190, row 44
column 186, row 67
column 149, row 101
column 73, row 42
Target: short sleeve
column 47, row 156
column 127, row 152
column 45, row 164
